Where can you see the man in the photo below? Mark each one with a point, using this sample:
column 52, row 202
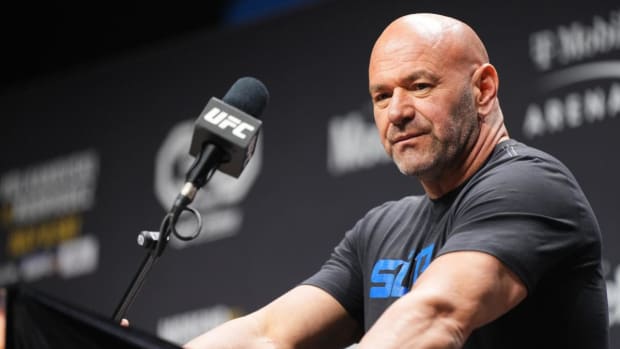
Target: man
column 503, row 251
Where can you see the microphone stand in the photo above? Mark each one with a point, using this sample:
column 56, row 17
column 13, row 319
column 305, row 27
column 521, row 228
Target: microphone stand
column 155, row 242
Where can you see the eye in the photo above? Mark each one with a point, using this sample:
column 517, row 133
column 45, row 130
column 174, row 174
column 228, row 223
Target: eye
column 421, row 86
column 380, row 97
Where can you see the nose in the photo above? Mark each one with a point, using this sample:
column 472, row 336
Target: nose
column 400, row 109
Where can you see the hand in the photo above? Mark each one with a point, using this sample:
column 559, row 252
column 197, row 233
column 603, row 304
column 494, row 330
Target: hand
column 125, row 323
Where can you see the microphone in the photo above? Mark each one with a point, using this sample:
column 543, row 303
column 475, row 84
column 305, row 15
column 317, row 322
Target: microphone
column 225, row 136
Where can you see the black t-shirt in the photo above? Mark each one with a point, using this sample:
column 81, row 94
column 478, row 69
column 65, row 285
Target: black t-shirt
column 525, row 208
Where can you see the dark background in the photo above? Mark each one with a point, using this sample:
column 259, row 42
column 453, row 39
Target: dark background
column 44, row 38
column 118, row 79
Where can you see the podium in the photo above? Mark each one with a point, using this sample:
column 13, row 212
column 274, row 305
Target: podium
column 36, row 320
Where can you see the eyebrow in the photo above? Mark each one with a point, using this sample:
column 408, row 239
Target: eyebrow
column 415, row 75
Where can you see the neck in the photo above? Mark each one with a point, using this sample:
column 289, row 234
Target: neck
column 492, row 132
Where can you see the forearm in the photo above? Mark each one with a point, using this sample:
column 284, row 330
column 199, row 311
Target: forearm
column 414, row 325
column 305, row 317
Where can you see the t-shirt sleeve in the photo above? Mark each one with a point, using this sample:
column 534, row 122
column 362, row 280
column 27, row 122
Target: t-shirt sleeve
column 341, row 275
column 532, row 216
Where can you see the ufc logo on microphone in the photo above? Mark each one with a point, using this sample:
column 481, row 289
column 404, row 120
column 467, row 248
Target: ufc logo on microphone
column 224, row 120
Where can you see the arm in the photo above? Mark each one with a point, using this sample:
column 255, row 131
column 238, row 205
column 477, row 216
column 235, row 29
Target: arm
column 305, row 317
column 457, row 293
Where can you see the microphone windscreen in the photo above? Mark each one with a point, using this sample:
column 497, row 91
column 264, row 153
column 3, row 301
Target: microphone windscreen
column 249, row 95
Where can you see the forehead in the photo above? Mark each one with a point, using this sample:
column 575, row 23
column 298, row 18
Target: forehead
column 407, row 57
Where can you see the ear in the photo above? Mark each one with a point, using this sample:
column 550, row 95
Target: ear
column 486, row 83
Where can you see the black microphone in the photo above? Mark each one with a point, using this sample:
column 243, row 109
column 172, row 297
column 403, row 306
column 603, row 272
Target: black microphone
column 225, row 136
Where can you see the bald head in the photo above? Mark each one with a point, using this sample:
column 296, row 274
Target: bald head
column 448, row 37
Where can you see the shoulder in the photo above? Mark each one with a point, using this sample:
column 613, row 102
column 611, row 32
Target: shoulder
column 522, row 183
column 519, row 172
column 525, row 208
column 511, row 159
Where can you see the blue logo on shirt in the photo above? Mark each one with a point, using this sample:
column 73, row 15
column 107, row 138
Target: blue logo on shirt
column 390, row 274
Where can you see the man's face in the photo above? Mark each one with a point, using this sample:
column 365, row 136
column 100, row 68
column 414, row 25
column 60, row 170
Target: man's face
column 423, row 106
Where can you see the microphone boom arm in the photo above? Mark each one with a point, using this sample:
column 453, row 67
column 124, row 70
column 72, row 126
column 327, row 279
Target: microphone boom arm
column 199, row 174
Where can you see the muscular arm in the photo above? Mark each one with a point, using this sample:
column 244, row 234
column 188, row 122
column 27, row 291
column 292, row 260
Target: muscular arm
column 305, row 317
column 457, row 293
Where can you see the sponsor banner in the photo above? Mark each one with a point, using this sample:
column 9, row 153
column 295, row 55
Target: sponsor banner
column 353, row 142
column 613, row 293
column 43, row 207
column 579, row 75
column 180, row 328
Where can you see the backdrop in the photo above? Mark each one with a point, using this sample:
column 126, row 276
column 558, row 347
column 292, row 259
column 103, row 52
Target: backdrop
column 93, row 156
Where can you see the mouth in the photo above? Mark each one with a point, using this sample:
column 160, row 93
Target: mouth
column 403, row 138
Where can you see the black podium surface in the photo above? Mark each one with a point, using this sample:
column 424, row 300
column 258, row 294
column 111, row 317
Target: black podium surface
column 36, row 320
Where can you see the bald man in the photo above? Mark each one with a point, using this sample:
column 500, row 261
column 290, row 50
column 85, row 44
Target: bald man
column 502, row 251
